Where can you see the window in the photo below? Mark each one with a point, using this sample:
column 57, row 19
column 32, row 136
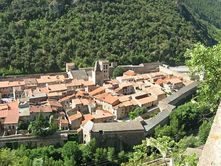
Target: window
column 101, row 132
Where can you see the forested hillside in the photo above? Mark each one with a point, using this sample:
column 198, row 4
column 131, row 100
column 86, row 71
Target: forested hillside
column 208, row 12
column 41, row 35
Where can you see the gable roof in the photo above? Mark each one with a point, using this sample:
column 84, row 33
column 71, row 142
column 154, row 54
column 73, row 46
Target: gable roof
column 79, row 74
column 130, row 73
column 97, row 91
column 13, row 113
column 74, row 117
column 40, row 108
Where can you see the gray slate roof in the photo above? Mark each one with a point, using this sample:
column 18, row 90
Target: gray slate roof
column 153, row 122
column 79, row 74
column 118, row 126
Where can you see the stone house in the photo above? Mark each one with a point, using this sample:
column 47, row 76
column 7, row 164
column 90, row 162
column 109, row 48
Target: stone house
column 75, row 120
column 123, row 109
column 9, row 117
column 18, row 92
column 50, row 80
column 102, row 116
column 81, row 105
column 156, row 92
column 66, row 101
column 125, row 89
column 45, row 110
column 6, row 87
column 31, row 83
column 121, row 135
column 63, row 124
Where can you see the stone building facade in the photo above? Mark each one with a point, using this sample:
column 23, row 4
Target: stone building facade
column 122, row 135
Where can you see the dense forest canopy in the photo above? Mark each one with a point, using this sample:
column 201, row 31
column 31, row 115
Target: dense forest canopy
column 40, row 36
column 209, row 10
column 209, row 13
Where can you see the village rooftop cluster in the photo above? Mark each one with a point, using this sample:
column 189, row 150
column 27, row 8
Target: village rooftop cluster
column 79, row 96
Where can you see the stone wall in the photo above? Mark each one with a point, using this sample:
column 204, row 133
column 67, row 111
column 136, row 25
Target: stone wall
column 141, row 69
column 22, row 77
column 211, row 154
column 122, row 140
column 32, row 141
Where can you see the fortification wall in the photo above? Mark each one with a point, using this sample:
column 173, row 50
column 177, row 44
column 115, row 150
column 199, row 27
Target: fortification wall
column 141, row 69
column 22, row 77
column 32, row 141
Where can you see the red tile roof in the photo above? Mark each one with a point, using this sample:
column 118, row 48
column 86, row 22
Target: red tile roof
column 54, row 104
column 67, row 98
column 49, row 79
column 76, row 116
column 147, row 100
column 173, row 80
column 7, row 84
column 81, row 93
column 102, row 114
column 41, row 108
column 86, row 118
column 13, row 113
column 57, row 88
column 97, row 91
column 64, row 122
column 130, row 73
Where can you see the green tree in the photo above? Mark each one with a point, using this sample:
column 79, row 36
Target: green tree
column 8, row 157
column 42, row 127
column 207, row 63
column 118, row 71
column 88, row 151
column 204, row 131
column 163, row 144
column 71, row 152
column 137, row 112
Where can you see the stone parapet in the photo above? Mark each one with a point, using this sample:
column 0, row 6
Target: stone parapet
column 211, row 155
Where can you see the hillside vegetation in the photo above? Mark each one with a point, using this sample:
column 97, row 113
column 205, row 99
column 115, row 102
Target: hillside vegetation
column 40, row 36
column 208, row 10
column 209, row 13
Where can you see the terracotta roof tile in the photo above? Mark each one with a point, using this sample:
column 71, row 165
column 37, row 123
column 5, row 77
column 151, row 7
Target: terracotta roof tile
column 147, row 100
column 113, row 100
column 67, row 98
column 86, row 118
column 102, row 114
column 49, row 79
column 57, row 88
column 41, row 108
column 97, row 91
column 76, row 116
column 13, row 113
column 130, row 73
